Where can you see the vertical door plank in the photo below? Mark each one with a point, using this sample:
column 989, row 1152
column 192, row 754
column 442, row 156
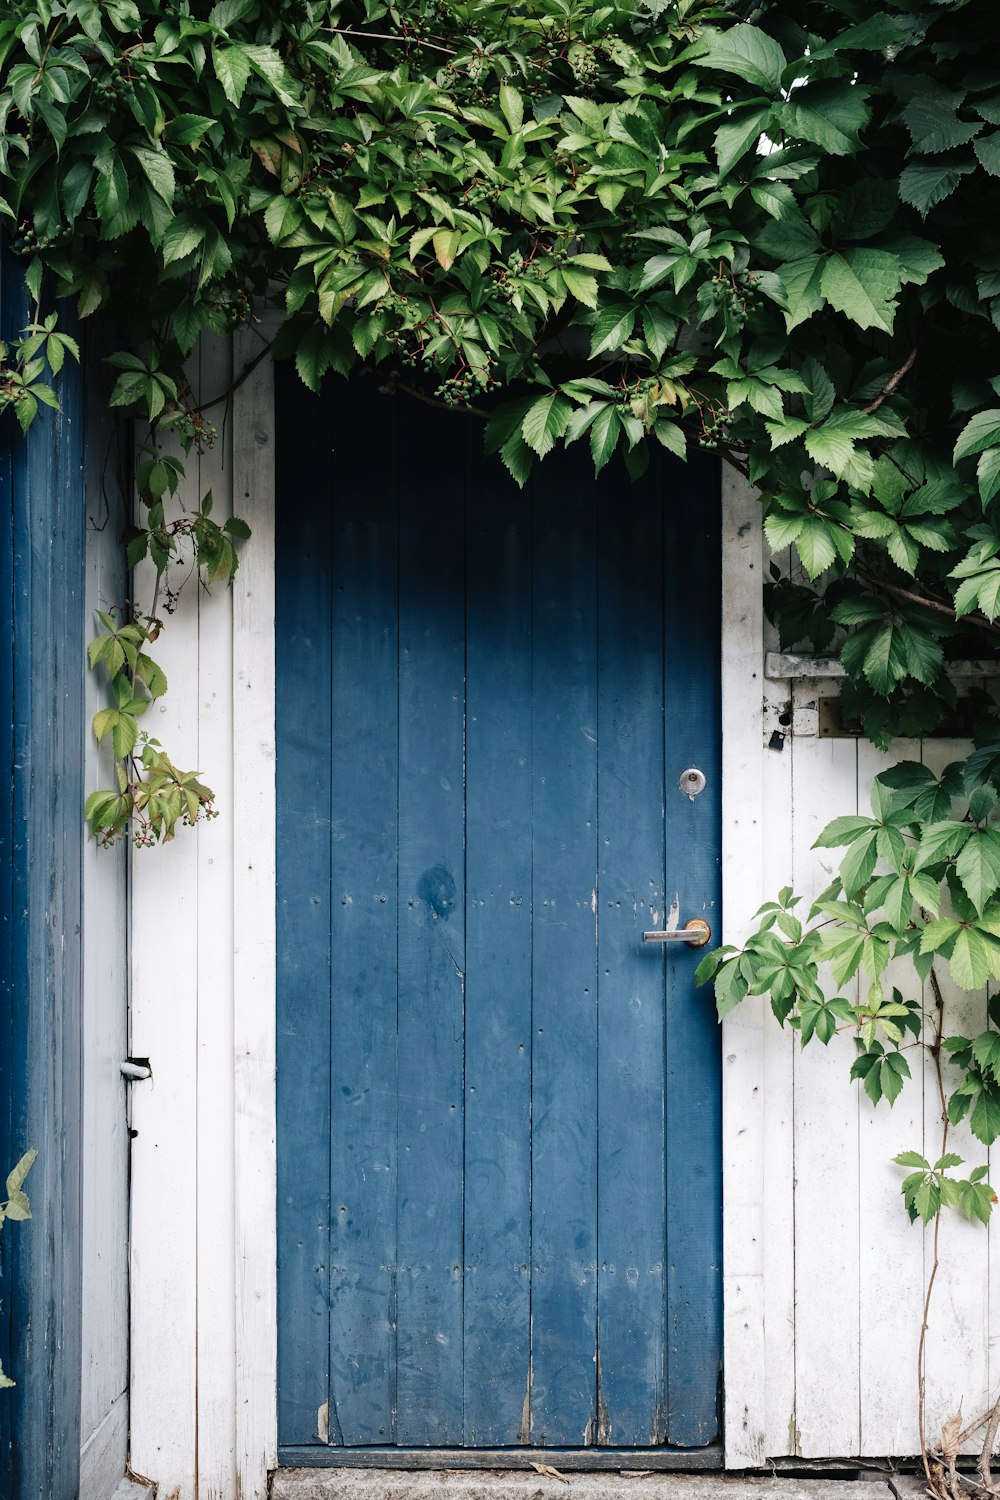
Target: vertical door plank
column 564, row 962
column 363, row 834
column 431, row 935
column 631, row 1180
column 498, row 988
column 302, row 568
column 693, row 1091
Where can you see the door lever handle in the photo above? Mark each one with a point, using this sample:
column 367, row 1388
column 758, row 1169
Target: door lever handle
column 695, row 933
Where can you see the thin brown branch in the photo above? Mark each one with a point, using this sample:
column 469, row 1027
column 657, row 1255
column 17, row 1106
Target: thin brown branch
column 729, row 457
column 980, row 621
column 244, row 375
column 989, row 1442
column 388, row 36
column 935, row 1052
column 891, row 385
column 411, row 390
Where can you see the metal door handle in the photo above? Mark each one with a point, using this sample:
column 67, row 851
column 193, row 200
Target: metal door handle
column 695, row 933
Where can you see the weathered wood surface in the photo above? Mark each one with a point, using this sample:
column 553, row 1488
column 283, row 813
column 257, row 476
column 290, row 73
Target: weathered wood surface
column 253, row 796
column 848, row 1336
column 105, row 1140
column 479, row 755
column 42, row 578
column 819, row 1367
column 202, row 1265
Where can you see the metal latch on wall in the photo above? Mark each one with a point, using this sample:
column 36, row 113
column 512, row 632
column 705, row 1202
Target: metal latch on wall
column 136, row 1069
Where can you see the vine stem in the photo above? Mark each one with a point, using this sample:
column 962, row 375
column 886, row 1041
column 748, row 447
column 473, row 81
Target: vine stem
column 980, row 621
column 411, row 390
column 935, row 1051
column 891, row 385
column 986, row 1453
column 385, row 36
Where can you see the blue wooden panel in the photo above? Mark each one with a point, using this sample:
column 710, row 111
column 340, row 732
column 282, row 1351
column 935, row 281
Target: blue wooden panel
column 41, row 838
column 511, row 1259
column 498, row 950
column 364, row 837
column 564, row 962
column 303, row 713
column 631, row 1395
column 431, row 938
column 693, row 1093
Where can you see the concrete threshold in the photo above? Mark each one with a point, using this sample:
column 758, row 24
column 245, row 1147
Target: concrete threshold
column 445, row 1484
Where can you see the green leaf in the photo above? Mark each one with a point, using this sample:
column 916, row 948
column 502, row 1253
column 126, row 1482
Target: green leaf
column 939, row 841
column 934, row 126
column 863, row 284
column 816, row 545
column 985, row 1118
column 829, row 114
column 604, row 435
column 16, row 1177
column 978, row 867
column 858, row 864
column 988, row 474
column 512, row 105
column 802, row 282
column 158, row 169
column 749, row 53
column 987, row 148
column 738, row 136
column 926, row 184
column 982, row 431
column 911, row 1159
column 610, row 329
column 545, row 421
column 843, row 830
column 233, row 70
column 968, row 962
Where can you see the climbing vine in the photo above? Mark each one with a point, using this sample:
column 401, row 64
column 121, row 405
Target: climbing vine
column 765, row 231
column 761, row 230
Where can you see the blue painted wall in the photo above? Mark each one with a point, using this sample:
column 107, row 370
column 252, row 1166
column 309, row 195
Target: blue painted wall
column 499, row 1121
column 42, row 516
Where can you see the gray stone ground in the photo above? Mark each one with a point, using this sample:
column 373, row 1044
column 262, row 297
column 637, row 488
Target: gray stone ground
column 395, row 1484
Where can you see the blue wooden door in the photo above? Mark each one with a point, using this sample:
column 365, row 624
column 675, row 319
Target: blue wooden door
column 498, row 1121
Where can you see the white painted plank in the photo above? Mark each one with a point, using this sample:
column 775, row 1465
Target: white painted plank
column 743, row 1039
column 164, row 947
column 216, row 1391
column 827, row 1267
column 958, row 1335
column 779, row 1114
column 254, row 934
column 892, row 1258
column 103, row 1456
column 797, row 664
column 105, row 1143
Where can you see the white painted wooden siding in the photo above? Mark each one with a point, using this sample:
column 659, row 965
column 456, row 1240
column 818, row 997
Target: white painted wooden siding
column 844, row 1269
column 823, row 1274
column 203, row 1195
column 104, row 1396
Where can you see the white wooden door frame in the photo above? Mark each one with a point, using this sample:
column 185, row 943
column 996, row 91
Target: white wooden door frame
column 204, row 1399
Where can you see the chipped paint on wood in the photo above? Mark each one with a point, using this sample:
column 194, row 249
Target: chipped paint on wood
column 499, row 1140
